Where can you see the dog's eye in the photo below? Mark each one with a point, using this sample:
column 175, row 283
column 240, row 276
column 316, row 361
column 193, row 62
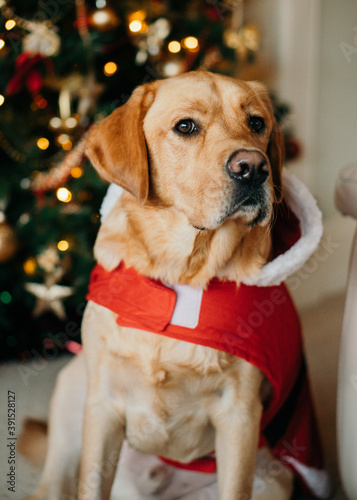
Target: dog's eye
column 186, row 127
column 257, row 124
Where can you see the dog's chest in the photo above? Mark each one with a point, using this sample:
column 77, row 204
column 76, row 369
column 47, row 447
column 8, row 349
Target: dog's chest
column 168, row 390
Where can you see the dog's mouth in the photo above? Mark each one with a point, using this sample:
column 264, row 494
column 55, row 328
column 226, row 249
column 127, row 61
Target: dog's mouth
column 250, row 212
column 253, row 209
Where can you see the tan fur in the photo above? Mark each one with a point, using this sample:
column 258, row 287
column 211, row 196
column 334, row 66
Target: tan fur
column 175, row 223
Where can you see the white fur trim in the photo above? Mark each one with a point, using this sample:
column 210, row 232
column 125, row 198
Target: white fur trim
column 113, row 194
column 317, row 480
column 304, row 206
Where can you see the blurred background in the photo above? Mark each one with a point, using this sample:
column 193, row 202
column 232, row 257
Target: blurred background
column 66, row 64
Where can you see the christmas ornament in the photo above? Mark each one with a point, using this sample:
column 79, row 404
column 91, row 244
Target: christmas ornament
column 8, row 240
column 49, row 259
column 49, row 298
column 41, row 40
column 84, row 88
column 28, row 74
column 50, row 295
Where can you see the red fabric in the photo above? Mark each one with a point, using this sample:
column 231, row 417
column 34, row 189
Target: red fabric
column 205, row 464
column 286, row 229
column 258, row 324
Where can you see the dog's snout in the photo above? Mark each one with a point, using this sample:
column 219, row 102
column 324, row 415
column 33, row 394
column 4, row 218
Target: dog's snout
column 248, row 166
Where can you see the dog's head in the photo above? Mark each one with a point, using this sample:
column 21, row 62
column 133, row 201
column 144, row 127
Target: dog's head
column 206, row 144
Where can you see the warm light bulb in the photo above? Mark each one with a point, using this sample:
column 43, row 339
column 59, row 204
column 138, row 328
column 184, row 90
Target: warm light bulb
column 55, row 122
column 10, row 24
column 135, row 26
column 191, row 43
column 172, row 68
column 43, row 143
column 2, row 99
column 71, row 122
column 30, row 266
column 62, row 138
column 76, row 172
column 2, row 44
column 110, row 68
column 101, row 17
column 174, row 47
column 64, row 195
column 63, row 245
column 67, row 145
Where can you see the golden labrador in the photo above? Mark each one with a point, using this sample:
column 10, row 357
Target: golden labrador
column 200, row 158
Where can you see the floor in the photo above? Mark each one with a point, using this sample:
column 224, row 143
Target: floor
column 33, row 383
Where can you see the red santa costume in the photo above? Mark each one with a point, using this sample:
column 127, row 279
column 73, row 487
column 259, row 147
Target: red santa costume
column 256, row 321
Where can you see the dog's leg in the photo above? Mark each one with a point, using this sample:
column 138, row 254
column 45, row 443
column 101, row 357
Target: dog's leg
column 103, row 436
column 60, row 474
column 237, row 422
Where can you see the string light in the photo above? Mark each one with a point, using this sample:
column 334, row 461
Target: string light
column 191, row 43
column 30, row 266
column 110, row 68
column 2, row 99
column 135, row 26
column 55, row 122
column 10, row 23
column 64, row 195
column 76, row 172
column 101, row 17
column 2, row 43
column 62, row 139
column 43, row 143
column 71, row 122
column 174, row 46
column 67, row 145
column 171, row 68
column 63, row 245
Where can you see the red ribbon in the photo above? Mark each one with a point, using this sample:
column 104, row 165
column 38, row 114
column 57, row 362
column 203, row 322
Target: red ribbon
column 27, row 73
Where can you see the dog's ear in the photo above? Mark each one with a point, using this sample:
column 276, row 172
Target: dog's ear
column 276, row 149
column 276, row 155
column 116, row 146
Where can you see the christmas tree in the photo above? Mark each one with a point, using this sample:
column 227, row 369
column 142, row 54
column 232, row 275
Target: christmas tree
column 66, row 64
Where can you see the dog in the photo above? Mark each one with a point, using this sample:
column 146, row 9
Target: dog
column 199, row 157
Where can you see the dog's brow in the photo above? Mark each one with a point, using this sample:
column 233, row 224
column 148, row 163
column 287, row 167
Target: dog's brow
column 194, row 107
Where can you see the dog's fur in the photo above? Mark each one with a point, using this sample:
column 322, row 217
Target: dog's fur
column 184, row 220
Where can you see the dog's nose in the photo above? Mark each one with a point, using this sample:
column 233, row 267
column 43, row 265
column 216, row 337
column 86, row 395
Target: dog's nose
column 248, row 166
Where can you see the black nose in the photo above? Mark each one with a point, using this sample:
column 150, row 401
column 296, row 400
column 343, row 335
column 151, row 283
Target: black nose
column 248, row 166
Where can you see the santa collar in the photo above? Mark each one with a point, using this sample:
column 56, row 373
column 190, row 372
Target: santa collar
column 300, row 203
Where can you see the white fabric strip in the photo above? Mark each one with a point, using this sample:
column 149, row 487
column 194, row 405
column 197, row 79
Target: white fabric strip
column 188, row 306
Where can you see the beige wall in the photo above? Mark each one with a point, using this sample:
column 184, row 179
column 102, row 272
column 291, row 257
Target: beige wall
column 337, row 103
column 302, row 59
